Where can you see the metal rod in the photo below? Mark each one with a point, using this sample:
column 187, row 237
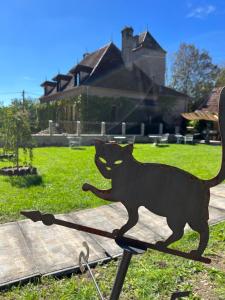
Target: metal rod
column 49, row 219
column 93, row 278
column 121, row 274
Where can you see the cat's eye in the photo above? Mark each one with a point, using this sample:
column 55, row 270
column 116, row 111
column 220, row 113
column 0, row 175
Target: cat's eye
column 118, row 162
column 102, row 160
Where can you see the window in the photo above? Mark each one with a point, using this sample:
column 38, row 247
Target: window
column 58, row 86
column 77, row 79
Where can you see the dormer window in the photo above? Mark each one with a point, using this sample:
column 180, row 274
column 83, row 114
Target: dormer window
column 48, row 87
column 80, row 73
column 61, row 81
column 58, row 86
column 77, row 79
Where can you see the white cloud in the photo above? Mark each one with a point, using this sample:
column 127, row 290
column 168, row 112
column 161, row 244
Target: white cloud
column 201, row 12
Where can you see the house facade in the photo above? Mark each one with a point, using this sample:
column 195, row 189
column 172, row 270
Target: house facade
column 118, row 85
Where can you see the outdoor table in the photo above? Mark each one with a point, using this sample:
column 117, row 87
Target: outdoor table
column 119, row 139
column 74, row 141
column 156, row 139
column 179, row 138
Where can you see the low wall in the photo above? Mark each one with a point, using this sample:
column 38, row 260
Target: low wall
column 86, row 140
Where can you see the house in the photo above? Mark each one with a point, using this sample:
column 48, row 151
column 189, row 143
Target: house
column 208, row 110
column 118, row 85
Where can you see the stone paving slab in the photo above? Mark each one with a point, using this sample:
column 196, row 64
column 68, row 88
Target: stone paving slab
column 15, row 256
column 29, row 249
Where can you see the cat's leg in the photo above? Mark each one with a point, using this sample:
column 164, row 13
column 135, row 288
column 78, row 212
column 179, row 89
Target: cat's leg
column 202, row 228
column 177, row 227
column 103, row 194
column 132, row 221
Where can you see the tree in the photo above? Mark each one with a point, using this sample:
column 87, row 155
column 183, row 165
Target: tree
column 31, row 107
column 16, row 134
column 193, row 73
column 220, row 81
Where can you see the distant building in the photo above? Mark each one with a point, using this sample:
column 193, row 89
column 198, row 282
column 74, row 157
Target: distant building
column 208, row 110
column 128, row 83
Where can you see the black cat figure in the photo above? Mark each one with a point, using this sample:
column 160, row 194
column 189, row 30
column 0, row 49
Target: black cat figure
column 165, row 190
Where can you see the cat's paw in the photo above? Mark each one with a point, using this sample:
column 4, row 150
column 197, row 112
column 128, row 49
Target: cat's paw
column 86, row 187
column 195, row 253
column 161, row 244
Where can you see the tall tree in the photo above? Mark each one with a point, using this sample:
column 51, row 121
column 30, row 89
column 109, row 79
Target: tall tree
column 16, row 134
column 193, row 73
column 220, row 81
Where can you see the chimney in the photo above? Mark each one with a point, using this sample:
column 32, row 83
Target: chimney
column 85, row 54
column 128, row 43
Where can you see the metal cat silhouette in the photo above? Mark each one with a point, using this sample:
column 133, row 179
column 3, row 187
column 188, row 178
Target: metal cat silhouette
column 164, row 190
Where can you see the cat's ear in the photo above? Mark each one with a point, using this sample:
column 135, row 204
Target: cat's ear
column 129, row 148
column 98, row 143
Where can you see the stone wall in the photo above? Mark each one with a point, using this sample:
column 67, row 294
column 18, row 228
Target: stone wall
column 152, row 63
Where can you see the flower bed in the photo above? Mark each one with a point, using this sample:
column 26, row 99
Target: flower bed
column 6, row 156
column 21, row 171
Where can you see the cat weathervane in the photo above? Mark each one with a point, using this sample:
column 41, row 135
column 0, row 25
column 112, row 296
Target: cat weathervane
column 164, row 190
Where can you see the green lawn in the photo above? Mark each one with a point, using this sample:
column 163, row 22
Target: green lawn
column 152, row 275
column 62, row 171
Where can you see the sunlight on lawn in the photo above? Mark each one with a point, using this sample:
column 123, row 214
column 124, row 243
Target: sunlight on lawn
column 62, row 172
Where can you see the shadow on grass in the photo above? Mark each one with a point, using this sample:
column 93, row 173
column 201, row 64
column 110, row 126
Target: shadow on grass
column 25, row 181
column 78, row 148
column 178, row 295
column 162, row 145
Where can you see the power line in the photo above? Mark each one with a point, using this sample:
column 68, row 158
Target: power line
column 10, row 93
column 27, row 92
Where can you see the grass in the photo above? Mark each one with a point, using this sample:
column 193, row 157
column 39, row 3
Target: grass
column 62, row 172
column 150, row 276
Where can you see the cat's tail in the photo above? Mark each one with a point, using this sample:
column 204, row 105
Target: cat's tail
column 221, row 175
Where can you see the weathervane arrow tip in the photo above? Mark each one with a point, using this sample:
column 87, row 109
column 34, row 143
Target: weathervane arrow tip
column 34, row 215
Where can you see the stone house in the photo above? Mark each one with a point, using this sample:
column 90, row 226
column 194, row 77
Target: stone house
column 126, row 85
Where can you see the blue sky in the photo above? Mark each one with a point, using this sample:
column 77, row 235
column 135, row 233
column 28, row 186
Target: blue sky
column 40, row 38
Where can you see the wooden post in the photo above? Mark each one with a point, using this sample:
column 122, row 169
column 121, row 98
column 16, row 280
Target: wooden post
column 78, row 128
column 50, row 127
column 123, row 128
column 102, row 128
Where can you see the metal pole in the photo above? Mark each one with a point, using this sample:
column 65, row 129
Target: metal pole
column 121, row 274
column 23, row 101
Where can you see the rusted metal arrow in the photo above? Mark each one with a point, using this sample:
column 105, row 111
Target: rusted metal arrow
column 49, row 219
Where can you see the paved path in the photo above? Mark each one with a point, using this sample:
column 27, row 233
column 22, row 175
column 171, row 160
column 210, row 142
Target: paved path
column 30, row 249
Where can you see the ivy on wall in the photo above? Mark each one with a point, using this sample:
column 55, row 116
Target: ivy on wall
column 96, row 109
column 92, row 109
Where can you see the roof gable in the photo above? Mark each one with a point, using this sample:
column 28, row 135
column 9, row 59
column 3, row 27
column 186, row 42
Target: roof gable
column 90, row 60
column 110, row 60
column 146, row 40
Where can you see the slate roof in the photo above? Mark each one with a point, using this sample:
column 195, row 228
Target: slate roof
column 146, row 40
column 212, row 103
column 209, row 109
column 105, row 68
column 91, row 59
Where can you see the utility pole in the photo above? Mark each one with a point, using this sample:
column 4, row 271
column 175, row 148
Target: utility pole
column 23, row 97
